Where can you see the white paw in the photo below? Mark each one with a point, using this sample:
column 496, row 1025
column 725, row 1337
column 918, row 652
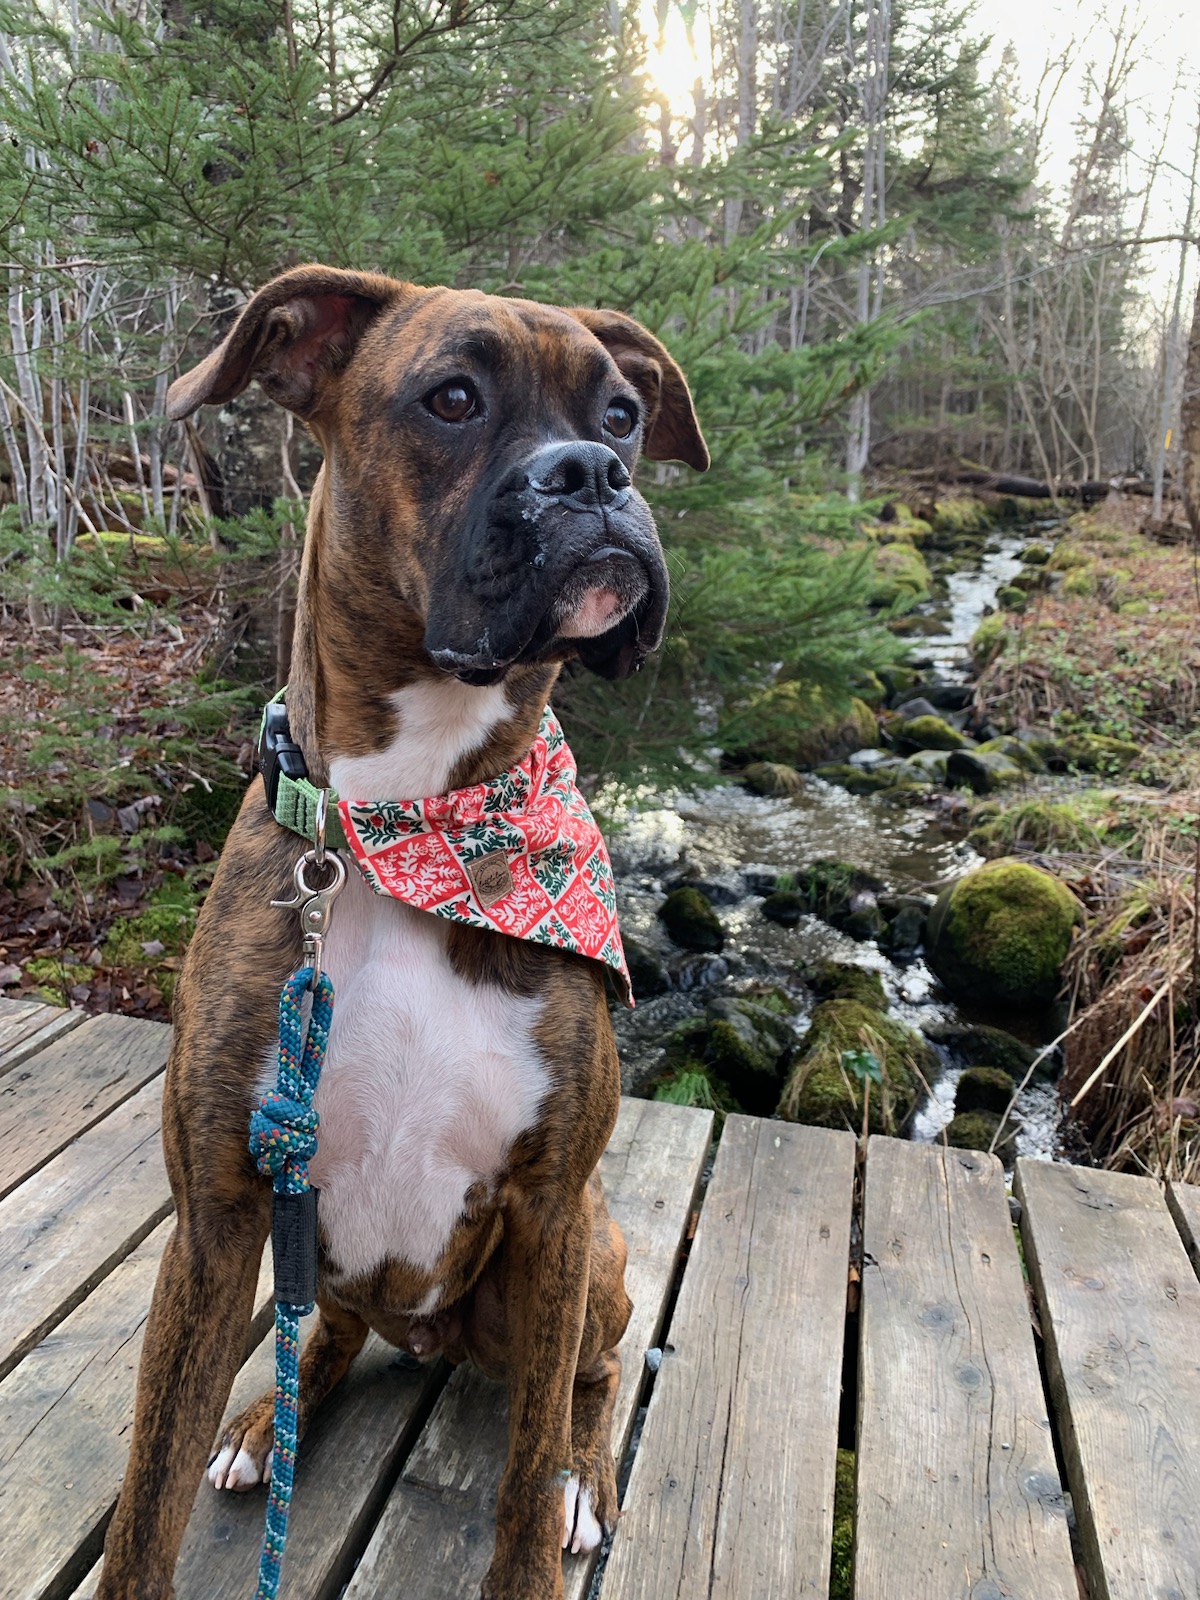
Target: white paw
column 582, row 1532
column 237, row 1469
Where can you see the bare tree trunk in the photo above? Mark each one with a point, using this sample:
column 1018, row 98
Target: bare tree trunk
column 1171, row 363
column 1189, row 426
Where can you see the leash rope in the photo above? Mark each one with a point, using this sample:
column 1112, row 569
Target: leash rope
column 283, row 1138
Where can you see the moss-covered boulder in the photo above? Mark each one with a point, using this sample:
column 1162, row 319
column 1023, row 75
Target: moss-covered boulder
column 869, row 688
column 983, row 1089
column 906, row 915
column 784, row 906
column 899, row 681
column 773, row 778
column 999, row 936
column 794, row 724
column 1035, row 555
column 858, row 780
column 841, row 980
column 691, row 920
column 975, row 1130
column 988, row 641
column 973, row 1044
column 960, row 517
column 926, row 733
column 981, row 771
column 1093, row 752
column 691, row 1083
column 740, row 1048
column 927, row 766
column 647, row 969
column 901, row 575
column 849, row 1051
column 1010, row 598
column 1018, row 750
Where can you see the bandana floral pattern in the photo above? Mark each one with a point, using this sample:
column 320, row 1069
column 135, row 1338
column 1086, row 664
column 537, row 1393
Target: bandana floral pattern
column 561, row 893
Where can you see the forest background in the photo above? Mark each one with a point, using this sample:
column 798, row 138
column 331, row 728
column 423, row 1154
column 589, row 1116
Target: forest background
column 843, row 228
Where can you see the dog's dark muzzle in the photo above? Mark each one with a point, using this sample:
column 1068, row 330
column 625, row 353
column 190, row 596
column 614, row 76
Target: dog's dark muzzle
column 564, row 541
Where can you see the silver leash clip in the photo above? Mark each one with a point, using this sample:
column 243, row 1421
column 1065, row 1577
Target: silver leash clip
column 315, row 901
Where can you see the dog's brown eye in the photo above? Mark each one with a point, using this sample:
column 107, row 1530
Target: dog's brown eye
column 454, row 401
column 619, row 419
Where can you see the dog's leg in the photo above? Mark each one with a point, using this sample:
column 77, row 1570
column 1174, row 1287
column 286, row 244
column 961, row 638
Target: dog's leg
column 591, row 1493
column 195, row 1339
column 243, row 1458
column 547, row 1241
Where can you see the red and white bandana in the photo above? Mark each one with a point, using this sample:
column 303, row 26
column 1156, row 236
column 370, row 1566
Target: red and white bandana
column 520, row 854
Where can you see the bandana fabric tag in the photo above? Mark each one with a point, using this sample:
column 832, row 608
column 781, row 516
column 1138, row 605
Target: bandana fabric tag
column 520, row 854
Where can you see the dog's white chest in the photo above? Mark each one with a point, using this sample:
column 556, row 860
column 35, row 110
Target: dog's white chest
column 428, row 1080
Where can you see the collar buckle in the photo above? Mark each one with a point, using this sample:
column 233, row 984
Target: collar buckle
column 278, row 752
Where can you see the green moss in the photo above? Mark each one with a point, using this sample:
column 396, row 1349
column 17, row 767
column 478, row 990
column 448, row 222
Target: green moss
column 960, row 516
column 1000, row 934
column 785, row 906
column 169, row 919
column 869, row 688
column 901, row 575
column 825, row 1087
column 858, row 780
column 983, row 1089
column 57, row 976
column 988, row 640
column 1043, row 825
column 975, row 1045
column 928, row 733
column 1010, row 598
column 773, row 778
column 1016, row 751
column 1079, row 583
column 1067, row 556
column 1093, row 752
column 1035, row 555
column 795, row 724
column 691, row 920
column 975, row 1130
column 841, row 1571
column 840, row 980
column 826, row 886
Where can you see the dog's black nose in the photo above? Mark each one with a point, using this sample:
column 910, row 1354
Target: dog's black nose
column 580, row 475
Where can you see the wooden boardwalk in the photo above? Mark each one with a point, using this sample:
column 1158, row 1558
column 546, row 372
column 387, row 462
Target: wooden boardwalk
column 930, row 1369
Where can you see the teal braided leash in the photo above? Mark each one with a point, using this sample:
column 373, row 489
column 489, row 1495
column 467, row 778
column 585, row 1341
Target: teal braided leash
column 283, row 1137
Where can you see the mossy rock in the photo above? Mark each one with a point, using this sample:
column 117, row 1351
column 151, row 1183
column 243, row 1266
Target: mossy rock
column 793, row 724
column 691, row 920
column 858, row 780
column 1031, row 580
column 841, row 980
column 1068, row 556
column 869, row 688
column 1080, row 583
column 960, row 516
column 647, row 969
column 848, row 1045
column 974, row 1044
column 830, row 888
column 1094, row 752
column 899, row 680
column 841, row 1569
column 902, row 576
column 988, row 641
column 784, row 906
column 905, row 927
column 1041, row 825
column 1010, row 598
column 981, row 771
column 693, row 1084
column 927, row 766
column 927, row 733
column 1000, row 935
column 975, row 1130
column 1015, row 750
column 983, row 1089
column 1035, row 555
column 772, row 778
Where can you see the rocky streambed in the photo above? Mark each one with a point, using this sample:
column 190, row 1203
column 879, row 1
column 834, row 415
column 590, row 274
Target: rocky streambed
column 779, row 940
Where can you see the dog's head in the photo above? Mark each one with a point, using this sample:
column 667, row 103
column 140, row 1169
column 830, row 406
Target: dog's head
column 480, row 454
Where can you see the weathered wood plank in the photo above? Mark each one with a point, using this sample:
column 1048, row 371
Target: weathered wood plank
column 957, row 1483
column 731, row 1492
column 65, row 1418
column 65, row 1228
column 1184, row 1202
column 1120, row 1309
column 434, row 1540
column 70, row 1085
column 26, row 1026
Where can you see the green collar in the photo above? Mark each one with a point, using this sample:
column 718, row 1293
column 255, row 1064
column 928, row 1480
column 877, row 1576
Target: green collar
column 291, row 795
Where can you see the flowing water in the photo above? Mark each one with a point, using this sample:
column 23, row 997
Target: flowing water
column 728, row 834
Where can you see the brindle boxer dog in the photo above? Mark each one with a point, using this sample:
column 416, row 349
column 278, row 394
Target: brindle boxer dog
column 473, row 526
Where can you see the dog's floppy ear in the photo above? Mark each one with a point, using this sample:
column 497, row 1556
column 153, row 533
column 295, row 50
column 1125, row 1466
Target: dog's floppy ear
column 672, row 431
column 297, row 330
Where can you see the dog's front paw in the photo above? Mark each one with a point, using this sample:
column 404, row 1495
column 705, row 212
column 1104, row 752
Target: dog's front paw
column 243, row 1458
column 590, row 1506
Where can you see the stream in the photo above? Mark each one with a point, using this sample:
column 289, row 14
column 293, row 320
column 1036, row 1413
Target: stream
column 731, row 842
